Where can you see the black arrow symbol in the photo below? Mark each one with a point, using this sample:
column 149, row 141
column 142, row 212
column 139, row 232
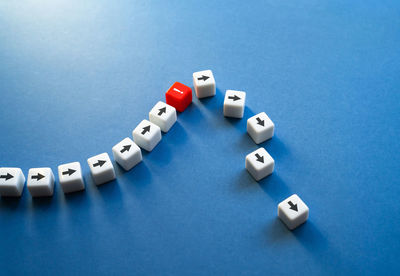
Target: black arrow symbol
column 260, row 158
column 99, row 163
column 38, row 176
column 69, row 172
column 146, row 129
column 234, row 98
column 126, row 148
column 260, row 122
column 7, row 176
column 292, row 206
column 162, row 110
column 204, row 78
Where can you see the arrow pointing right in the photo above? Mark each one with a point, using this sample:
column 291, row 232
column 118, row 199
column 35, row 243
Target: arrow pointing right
column 99, row 163
column 126, row 148
column 204, row 78
column 162, row 110
column 7, row 176
column 38, row 176
column 293, row 206
column 260, row 158
column 234, row 98
column 69, row 172
column 146, row 129
column 260, row 122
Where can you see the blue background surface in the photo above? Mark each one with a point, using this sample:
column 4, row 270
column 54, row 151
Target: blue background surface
column 77, row 76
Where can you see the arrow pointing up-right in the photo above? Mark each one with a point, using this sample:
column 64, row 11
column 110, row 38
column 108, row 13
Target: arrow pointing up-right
column 146, row 129
column 125, row 148
column 162, row 110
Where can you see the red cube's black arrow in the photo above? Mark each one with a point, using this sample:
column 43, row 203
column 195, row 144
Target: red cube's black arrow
column 204, row 78
column 162, row 110
column 126, row 148
column 146, row 129
column 260, row 122
column 260, row 158
column 99, row 163
column 7, row 176
column 234, row 98
column 37, row 177
column 69, row 172
column 292, row 206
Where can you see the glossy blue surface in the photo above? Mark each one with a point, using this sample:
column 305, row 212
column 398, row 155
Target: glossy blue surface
column 77, row 76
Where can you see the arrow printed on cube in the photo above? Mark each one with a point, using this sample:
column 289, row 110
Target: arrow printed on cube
column 260, row 122
column 260, row 158
column 162, row 110
column 99, row 163
column 69, row 172
column 125, row 148
column 7, row 176
column 38, row 176
column 234, row 98
column 293, row 206
column 146, row 129
column 204, row 78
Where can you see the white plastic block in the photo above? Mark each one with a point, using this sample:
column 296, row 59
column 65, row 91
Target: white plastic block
column 204, row 84
column 40, row 182
column 101, row 168
column 259, row 164
column 12, row 182
column 260, row 127
column 234, row 103
column 293, row 211
column 147, row 135
column 127, row 154
column 163, row 115
column 70, row 177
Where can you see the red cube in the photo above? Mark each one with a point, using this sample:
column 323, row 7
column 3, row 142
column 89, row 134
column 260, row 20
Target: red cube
column 179, row 96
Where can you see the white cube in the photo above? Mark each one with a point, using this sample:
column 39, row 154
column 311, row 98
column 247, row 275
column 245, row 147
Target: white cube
column 101, row 168
column 293, row 211
column 147, row 135
column 234, row 103
column 163, row 115
column 259, row 164
column 260, row 127
column 127, row 154
column 12, row 182
column 70, row 176
column 204, row 84
column 40, row 182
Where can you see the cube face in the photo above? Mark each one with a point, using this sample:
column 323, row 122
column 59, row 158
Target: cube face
column 147, row 135
column 40, row 182
column 260, row 127
column 101, row 168
column 259, row 164
column 127, row 154
column 163, row 115
column 12, row 182
column 234, row 103
column 293, row 211
column 179, row 96
column 70, row 177
column 204, row 84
